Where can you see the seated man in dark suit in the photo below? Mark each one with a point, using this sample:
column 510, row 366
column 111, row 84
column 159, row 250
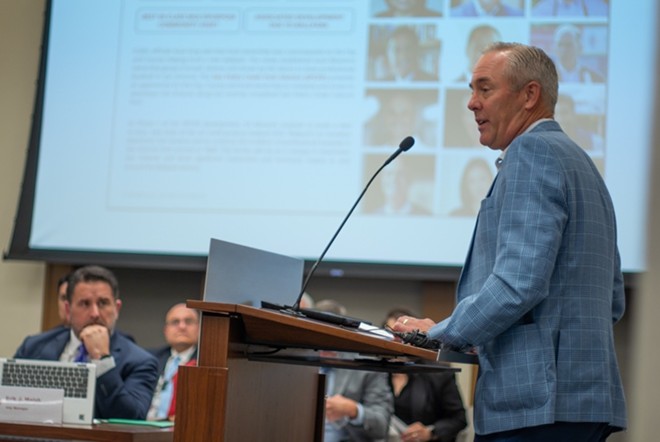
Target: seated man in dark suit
column 181, row 332
column 126, row 374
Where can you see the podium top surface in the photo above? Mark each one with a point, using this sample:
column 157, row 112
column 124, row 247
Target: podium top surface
column 277, row 329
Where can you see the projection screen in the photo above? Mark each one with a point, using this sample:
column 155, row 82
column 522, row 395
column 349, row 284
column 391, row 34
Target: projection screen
column 160, row 124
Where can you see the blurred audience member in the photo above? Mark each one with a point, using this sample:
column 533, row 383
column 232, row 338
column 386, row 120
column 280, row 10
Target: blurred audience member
column 358, row 403
column 125, row 373
column 62, row 285
column 181, row 333
column 429, row 403
column 306, row 301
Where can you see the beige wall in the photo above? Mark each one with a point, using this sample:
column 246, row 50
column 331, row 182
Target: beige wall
column 21, row 283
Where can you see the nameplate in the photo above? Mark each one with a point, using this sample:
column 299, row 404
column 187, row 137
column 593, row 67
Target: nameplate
column 23, row 404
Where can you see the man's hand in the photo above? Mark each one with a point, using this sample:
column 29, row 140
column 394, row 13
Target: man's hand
column 416, row 432
column 338, row 406
column 408, row 324
column 97, row 340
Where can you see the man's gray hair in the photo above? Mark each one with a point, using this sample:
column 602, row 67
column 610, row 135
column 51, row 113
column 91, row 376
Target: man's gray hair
column 529, row 63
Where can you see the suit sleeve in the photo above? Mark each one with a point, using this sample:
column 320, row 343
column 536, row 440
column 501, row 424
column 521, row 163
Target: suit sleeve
column 378, row 404
column 46, row 346
column 530, row 214
column 126, row 390
column 21, row 352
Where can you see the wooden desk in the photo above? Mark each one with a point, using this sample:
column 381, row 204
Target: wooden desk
column 95, row 433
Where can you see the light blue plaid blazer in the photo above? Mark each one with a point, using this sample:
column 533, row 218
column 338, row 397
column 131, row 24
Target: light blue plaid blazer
column 540, row 291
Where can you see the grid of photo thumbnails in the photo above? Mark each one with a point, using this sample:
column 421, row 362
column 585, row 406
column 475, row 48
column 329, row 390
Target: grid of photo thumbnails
column 417, row 77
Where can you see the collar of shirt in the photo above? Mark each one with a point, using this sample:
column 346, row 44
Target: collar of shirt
column 536, row 123
column 500, row 159
column 71, row 348
column 184, row 356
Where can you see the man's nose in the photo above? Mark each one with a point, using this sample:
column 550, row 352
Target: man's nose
column 472, row 103
column 94, row 311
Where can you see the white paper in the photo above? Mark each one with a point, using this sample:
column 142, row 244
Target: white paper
column 375, row 331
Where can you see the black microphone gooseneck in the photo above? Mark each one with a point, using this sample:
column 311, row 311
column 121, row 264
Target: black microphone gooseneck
column 406, row 144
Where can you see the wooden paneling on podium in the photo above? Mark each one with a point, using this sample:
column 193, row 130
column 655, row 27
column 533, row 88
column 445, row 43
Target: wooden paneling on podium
column 257, row 377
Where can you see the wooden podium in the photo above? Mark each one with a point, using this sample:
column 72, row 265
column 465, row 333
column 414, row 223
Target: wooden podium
column 258, row 379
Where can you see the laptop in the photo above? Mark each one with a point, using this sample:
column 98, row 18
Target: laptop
column 77, row 379
column 237, row 274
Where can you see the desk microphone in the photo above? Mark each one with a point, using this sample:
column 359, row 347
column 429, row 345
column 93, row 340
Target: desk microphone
column 405, row 145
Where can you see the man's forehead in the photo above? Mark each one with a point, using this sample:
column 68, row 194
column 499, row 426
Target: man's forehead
column 181, row 311
column 488, row 67
column 92, row 288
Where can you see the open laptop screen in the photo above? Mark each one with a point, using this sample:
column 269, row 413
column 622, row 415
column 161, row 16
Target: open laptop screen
column 237, row 274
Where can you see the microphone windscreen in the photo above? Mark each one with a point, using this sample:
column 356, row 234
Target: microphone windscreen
column 407, row 143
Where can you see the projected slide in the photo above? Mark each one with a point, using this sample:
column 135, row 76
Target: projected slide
column 165, row 123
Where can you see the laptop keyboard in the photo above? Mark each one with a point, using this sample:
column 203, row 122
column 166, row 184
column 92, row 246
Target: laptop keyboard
column 73, row 380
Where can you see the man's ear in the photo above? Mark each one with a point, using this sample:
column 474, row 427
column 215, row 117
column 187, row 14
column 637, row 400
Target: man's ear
column 532, row 93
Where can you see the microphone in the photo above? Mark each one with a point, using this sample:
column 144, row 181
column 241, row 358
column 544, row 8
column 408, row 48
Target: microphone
column 405, row 145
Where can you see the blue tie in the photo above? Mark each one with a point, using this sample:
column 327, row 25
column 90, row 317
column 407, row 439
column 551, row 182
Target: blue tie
column 166, row 392
column 81, row 354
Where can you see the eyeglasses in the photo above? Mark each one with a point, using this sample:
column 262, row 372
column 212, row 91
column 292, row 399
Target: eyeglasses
column 177, row 322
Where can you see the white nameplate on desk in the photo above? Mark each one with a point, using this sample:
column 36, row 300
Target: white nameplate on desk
column 23, row 404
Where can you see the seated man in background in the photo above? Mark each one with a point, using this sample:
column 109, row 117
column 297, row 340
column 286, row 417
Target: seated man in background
column 126, row 374
column 306, row 301
column 181, row 333
column 358, row 403
column 62, row 285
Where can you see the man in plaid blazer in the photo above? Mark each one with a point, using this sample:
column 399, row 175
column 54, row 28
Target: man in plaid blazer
column 542, row 285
